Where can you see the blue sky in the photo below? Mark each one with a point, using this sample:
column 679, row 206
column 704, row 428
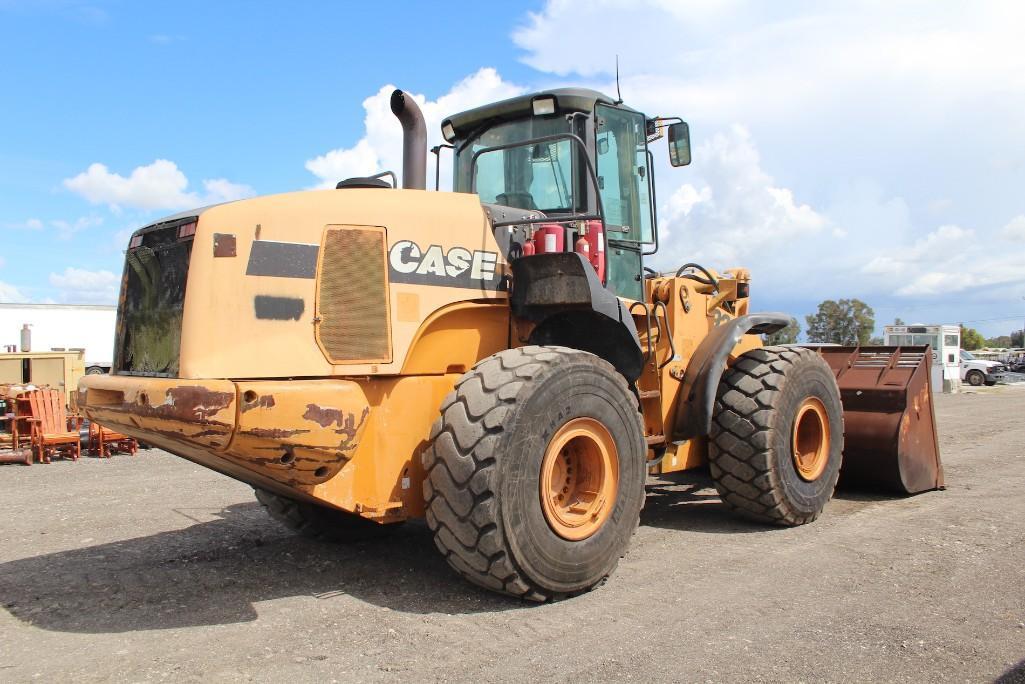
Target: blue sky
column 842, row 149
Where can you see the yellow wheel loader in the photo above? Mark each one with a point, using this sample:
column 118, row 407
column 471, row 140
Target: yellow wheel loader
column 497, row 359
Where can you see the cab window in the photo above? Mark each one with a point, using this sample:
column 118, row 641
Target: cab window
column 534, row 176
column 623, row 173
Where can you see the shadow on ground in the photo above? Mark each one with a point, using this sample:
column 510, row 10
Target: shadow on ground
column 687, row 501
column 214, row 572
column 1016, row 675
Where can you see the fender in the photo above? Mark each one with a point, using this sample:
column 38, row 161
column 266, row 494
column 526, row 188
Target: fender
column 701, row 379
column 562, row 293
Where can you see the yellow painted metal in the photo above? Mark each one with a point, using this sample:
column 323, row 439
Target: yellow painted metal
column 221, row 336
column 383, row 480
column 196, row 412
column 456, row 336
column 298, row 432
column 350, row 444
column 264, row 400
column 690, row 311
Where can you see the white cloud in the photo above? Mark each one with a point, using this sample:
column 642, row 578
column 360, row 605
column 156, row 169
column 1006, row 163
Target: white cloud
column 67, row 229
column 9, row 293
column 380, row 148
column 949, row 260
column 735, row 212
column 727, row 58
column 81, row 286
column 870, row 134
column 222, row 190
column 336, row 165
column 160, row 185
column 30, row 224
column 1015, row 229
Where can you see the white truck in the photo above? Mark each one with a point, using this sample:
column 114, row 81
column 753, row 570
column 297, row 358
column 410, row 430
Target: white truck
column 977, row 372
column 61, row 327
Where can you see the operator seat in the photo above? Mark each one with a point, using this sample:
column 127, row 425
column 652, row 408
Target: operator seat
column 519, row 200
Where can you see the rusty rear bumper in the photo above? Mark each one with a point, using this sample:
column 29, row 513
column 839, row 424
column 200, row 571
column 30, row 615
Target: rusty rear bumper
column 272, row 434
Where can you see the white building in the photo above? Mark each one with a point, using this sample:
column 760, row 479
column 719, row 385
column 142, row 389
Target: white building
column 945, row 341
column 62, row 326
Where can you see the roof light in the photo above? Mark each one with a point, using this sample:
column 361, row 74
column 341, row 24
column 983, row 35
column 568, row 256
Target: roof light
column 448, row 132
column 543, row 105
column 187, row 229
column 135, row 241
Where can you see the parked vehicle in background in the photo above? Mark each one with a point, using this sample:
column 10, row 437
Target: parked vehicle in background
column 1017, row 365
column 61, row 327
column 977, row 372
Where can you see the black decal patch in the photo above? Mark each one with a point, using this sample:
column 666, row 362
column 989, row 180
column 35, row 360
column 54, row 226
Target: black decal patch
column 283, row 259
column 411, row 263
column 278, row 308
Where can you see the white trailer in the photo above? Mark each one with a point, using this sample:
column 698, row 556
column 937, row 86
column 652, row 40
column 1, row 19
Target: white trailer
column 945, row 341
column 62, row 326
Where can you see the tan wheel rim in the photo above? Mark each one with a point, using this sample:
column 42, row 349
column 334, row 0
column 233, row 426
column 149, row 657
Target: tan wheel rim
column 811, row 439
column 579, row 478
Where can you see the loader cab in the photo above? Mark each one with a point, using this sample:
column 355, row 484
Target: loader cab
column 537, row 153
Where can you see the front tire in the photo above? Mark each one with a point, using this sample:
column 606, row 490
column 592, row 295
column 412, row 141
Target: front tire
column 777, row 435
column 535, row 472
column 975, row 378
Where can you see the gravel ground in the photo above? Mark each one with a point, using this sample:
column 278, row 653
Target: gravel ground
column 151, row 568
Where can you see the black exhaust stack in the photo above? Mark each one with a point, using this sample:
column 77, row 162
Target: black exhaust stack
column 414, row 140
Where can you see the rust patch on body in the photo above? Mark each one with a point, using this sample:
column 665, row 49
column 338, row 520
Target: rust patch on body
column 325, row 416
column 266, row 401
column 351, row 429
column 186, row 405
column 273, row 433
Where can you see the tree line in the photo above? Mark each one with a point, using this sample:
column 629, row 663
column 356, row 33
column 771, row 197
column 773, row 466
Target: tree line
column 850, row 322
column 846, row 322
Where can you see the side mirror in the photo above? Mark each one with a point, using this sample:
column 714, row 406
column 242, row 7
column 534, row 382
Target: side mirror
column 679, row 144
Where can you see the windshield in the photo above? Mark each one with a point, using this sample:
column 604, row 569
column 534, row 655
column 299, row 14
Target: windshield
column 967, row 356
column 537, row 177
column 534, row 177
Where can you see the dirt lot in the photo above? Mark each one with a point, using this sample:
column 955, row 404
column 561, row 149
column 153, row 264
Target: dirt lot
column 150, row 568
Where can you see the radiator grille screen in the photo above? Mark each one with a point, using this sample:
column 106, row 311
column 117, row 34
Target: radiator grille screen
column 352, row 296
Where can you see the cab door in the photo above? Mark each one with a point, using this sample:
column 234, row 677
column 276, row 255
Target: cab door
column 624, row 184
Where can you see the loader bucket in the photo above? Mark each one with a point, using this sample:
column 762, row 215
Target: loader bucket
column 889, row 424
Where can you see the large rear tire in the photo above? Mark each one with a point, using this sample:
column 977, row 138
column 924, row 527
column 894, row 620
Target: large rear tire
column 535, row 472
column 320, row 522
column 777, row 435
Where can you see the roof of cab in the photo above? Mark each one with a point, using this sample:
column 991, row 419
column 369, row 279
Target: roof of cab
column 567, row 100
